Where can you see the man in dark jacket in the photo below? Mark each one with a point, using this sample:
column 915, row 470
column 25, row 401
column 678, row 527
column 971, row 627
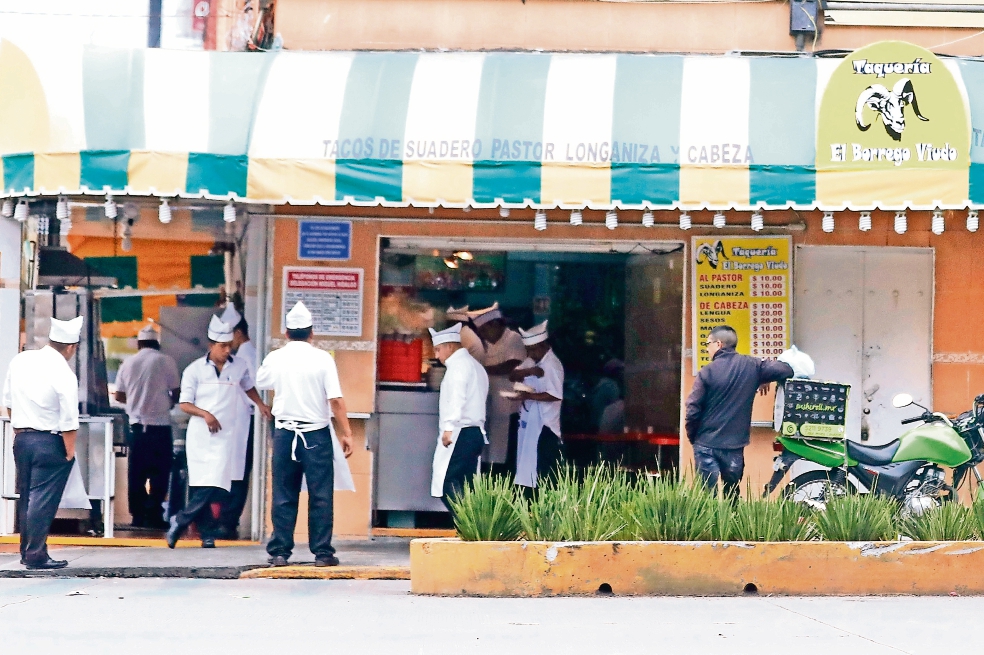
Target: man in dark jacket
column 719, row 409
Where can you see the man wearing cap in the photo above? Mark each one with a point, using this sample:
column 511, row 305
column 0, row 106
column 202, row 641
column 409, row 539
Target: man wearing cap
column 147, row 383
column 235, row 501
column 539, row 444
column 41, row 394
column 461, row 421
column 307, row 398
column 504, row 351
column 210, row 393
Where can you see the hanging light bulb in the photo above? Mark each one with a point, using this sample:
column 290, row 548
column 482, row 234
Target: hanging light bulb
column 939, row 223
column 685, row 222
column 164, row 212
column 504, row 212
column 973, row 222
column 229, row 213
column 758, row 221
column 8, row 208
column 576, row 218
column 864, row 221
column 901, row 222
column 720, row 220
column 109, row 208
column 126, row 243
column 61, row 209
column 611, row 219
column 828, row 222
column 540, row 220
column 21, row 211
column 648, row 220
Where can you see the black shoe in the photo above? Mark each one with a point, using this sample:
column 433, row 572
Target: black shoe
column 49, row 564
column 208, row 542
column 326, row 560
column 277, row 560
column 173, row 533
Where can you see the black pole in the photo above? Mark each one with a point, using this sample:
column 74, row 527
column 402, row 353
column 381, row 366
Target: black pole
column 154, row 24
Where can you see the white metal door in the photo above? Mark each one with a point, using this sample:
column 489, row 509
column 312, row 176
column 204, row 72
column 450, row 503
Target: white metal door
column 865, row 316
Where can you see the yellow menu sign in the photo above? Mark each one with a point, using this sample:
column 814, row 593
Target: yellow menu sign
column 744, row 282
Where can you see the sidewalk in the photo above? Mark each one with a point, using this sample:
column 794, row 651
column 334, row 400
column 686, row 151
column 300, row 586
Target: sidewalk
column 385, row 557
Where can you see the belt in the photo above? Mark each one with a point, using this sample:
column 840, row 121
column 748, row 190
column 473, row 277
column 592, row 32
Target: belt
column 19, row 430
column 298, row 428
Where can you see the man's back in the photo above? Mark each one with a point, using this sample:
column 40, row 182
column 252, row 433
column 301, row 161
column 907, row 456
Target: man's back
column 42, row 391
column 147, row 379
column 303, row 379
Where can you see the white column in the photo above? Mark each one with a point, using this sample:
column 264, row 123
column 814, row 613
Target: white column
column 256, row 253
column 10, row 273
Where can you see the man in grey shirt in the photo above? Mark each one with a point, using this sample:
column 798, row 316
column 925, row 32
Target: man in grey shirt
column 148, row 383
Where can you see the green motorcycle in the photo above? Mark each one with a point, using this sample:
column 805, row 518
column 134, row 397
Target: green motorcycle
column 909, row 468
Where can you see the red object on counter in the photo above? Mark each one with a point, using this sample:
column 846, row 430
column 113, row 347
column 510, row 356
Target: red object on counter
column 399, row 361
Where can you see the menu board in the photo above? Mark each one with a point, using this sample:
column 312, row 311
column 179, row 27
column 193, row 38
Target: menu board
column 332, row 295
column 744, row 282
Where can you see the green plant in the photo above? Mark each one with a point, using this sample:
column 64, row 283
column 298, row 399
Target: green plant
column 857, row 517
column 724, row 519
column 565, row 508
column 486, row 510
column 947, row 522
column 665, row 510
column 765, row 519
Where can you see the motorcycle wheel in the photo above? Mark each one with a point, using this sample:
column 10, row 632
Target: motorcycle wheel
column 815, row 488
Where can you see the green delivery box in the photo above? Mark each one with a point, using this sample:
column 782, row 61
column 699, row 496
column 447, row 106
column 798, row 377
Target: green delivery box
column 815, row 410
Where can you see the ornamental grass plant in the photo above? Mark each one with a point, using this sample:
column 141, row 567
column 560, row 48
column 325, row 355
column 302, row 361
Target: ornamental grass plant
column 770, row 519
column 667, row 510
column 486, row 510
column 948, row 522
column 857, row 517
column 568, row 507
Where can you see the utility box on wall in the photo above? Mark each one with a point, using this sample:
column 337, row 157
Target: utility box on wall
column 805, row 17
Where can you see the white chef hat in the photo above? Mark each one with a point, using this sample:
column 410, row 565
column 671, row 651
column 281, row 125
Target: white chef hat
column 230, row 316
column 482, row 316
column 219, row 331
column 65, row 331
column 299, row 318
column 535, row 335
column 460, row 314
column 148, row 334
column 450, row 335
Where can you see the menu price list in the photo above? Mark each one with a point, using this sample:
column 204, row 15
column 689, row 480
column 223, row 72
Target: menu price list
column 768, row 329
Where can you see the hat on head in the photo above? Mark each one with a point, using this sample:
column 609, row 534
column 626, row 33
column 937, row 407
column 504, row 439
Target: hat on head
column 148, row 334
column 450, row 335
column 460, row 314
column 219, row 331
column 535, row 335
column 230, row 316
column 482, row 316
column 65, row 331
column 299, row 318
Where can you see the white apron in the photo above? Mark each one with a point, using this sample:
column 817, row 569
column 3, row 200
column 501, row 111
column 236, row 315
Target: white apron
column 343, row 474
column 499, row 411
column 210, row 456
column 442, row 457
column 530, row 427
column 241, row 439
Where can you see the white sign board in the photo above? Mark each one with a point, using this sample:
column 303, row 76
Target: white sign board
column 333, row 296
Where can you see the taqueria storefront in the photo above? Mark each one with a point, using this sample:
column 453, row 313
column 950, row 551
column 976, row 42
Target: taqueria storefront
column 634, row 201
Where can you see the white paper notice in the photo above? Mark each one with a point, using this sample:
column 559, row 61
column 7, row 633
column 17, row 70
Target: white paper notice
column 333, row 295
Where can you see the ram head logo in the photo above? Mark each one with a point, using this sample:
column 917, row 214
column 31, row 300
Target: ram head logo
column 710, row 253
column 890, row 105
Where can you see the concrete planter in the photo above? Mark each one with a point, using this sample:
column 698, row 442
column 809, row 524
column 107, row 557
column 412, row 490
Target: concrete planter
column 811, row 568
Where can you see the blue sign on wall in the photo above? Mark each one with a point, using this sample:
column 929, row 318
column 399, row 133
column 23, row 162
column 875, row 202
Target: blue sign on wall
column 325, row 240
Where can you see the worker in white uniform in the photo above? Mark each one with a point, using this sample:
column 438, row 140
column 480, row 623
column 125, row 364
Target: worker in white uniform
column 539, row 447
column 504, row 351
column 461, row 420
column 470, row 340
column 307, row 398
column 210, row 389
column 41, row 394
column 235, row 501
column 147, row 383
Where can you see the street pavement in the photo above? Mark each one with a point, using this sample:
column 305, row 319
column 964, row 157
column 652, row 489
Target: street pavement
column 151, row 616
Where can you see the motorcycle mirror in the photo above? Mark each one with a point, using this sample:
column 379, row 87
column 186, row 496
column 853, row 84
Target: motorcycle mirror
column 902, row 400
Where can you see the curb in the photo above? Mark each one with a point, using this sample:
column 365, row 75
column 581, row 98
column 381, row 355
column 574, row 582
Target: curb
column 193, row 572
column 128, row 542
column 328, row 573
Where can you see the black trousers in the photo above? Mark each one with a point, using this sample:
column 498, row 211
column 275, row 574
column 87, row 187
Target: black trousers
column 463, row 464
column 316, row 463
column 235, row 500
column 42, row 472
column 150, row 460
column 199, row 510
column 549, row 454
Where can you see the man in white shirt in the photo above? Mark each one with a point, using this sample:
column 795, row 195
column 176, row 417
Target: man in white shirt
column 307, row 397
column 504, row 351
column 235, row 501
column 210, row 393
column 147, row 383
column 41, row 394
column 539, row 447
column 461, row 421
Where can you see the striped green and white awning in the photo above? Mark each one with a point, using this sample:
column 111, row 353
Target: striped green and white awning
column 428, row 129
